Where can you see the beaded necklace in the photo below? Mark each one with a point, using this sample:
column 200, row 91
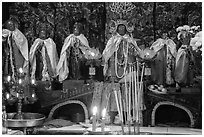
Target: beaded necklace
column 125, row 52
column 11, row 56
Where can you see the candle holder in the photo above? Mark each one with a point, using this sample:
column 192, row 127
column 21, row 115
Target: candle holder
column 20, row 91
column 93, row 57
column 93, row 63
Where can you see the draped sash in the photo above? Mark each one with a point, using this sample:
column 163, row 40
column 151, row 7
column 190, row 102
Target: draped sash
column 63, row 64
column 49, row 55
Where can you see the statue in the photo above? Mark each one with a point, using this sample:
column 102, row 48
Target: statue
column 74, row 50
column 119, row 56
column 15, row 50
column 120, row 51
column 163, row 64
column 43, row 58
column 184, row 59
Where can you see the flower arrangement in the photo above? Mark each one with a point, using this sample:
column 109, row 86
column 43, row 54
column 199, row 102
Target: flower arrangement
column 186, row 29
column 196, row 42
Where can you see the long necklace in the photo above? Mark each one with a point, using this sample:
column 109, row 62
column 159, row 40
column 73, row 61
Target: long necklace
column 124, row 63
column 11, row 56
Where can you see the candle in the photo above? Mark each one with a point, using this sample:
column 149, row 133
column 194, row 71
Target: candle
column 17, row 95
column 33, row 95
column 21, row 70
column 33, row 81
column 94, row 118
column 103, row 120
column 20, row 81
column 7, row 95
column 9, row 78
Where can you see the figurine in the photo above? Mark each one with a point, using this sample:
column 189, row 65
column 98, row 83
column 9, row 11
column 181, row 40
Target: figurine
column 74, row 50
column 43, row 58
column 163, row 64
column 119, row 55
column 184, row 59
column 121, row 50
column 15, row 50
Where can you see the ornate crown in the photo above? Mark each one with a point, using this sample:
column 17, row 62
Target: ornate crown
column 114, row 25
column 121, row 14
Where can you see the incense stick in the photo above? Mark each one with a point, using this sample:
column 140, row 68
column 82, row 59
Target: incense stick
column 129, row 99
column 121, row 106
column 126, row 99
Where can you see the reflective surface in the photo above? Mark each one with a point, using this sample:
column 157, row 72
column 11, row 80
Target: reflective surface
column 29, row 120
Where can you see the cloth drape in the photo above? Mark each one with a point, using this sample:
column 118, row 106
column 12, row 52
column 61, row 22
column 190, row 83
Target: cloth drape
column 182, row 65
column 62, row 67
column 48, row 52
column 21, row 43
column 163, row 65
column 112, row 46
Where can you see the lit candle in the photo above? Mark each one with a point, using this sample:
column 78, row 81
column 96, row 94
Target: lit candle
column 21, row 70
column 20, row 81
column 9, row 78
column 7, row 95
column 94, row 118
column 33, row 95
column 103, row 120
column 17, row 95
column 33, row 81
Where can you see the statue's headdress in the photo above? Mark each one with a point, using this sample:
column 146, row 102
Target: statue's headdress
column 121, row 13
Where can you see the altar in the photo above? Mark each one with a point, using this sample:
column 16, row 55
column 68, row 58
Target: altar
column 113, row 130
column 105, row 68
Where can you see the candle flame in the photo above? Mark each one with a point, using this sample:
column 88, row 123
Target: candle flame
column 17, row 95
column 7, row 95
column 20, row 70
column 33, row 81
column 104, row 113
column 94, row 110
column 9, row 78
column 20, row 81
column 33, row 95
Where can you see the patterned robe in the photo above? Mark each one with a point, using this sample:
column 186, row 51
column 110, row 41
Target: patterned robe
column 73, row 49
column 104, row 96
column 163, row 65
column 15, row 51
column 43, row 59
column 126, row 46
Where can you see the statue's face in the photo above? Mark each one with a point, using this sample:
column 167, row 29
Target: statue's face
column 77, row 30
column 164, row 35
column 121, row 30
column 43, row 34
column 185, row 38
column 10, row 25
